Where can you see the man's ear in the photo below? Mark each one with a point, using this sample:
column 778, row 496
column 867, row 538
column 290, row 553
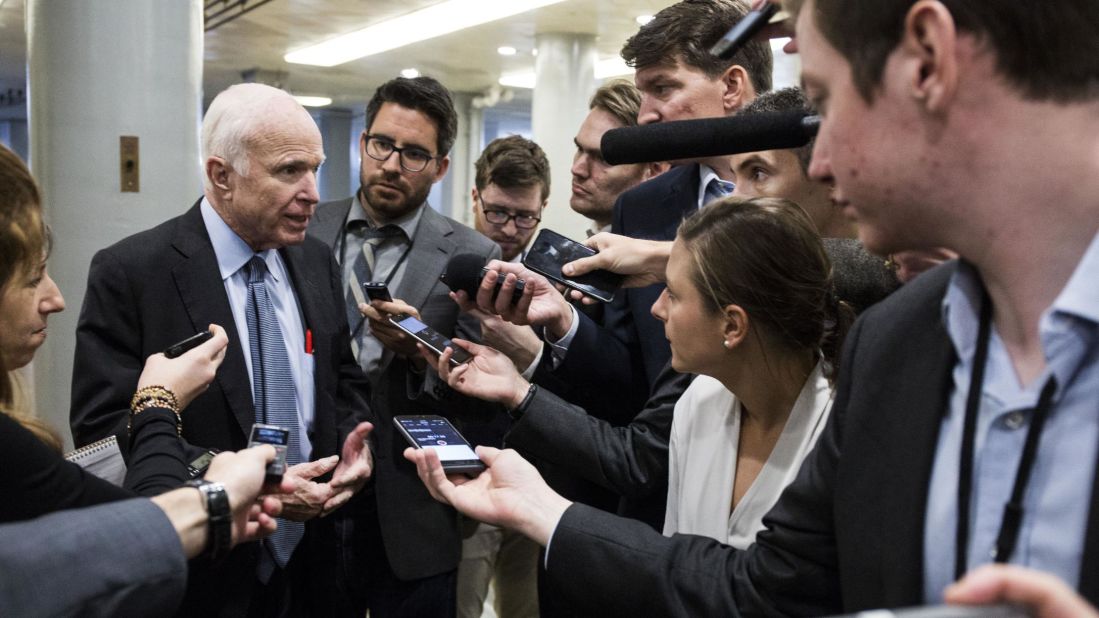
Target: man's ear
column 473, row 198
column 736, row 326
column 929, row 53
column 654, row 169
column 739, row 90
column 444, row 165
column 217, row 172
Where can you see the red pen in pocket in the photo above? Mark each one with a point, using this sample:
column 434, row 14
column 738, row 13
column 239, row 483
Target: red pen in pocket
column 308, row 341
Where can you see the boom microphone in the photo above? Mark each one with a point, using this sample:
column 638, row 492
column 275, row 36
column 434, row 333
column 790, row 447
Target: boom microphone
column 465, row 271
column 708, row 137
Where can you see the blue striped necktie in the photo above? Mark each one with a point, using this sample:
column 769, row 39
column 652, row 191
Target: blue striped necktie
column 717, row 189
column 274, row 395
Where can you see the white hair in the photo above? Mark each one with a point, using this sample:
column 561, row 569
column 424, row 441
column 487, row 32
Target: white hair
column 235, row 114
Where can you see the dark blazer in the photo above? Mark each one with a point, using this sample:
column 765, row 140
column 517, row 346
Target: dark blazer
column 613, row 366
column 157, row 287
column 421, row 535
column 847, row 535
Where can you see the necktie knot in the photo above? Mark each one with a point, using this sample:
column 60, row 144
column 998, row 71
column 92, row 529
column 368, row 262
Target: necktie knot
column 257, row 268
column 717, row 189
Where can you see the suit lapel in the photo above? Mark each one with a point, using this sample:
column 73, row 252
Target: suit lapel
column 327, row 224
column 198, row 280
column 428, row 256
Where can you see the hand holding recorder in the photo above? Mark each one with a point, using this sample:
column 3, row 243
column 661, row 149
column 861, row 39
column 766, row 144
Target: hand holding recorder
column 487, row 375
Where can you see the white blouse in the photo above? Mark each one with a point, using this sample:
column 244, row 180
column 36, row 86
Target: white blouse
column 703, row 453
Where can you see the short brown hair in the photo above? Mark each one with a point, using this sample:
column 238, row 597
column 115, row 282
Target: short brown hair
column 1048, row 50
column 688, row 29
column 764, row 255
column 785, row 100
column 423, row 94
column 620, row 99
column 512, row 162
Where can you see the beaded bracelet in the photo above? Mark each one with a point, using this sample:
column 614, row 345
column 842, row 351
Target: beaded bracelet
column 154, row 397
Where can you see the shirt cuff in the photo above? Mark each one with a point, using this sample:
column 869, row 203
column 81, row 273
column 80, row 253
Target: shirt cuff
column 559, row 348
column 528, row 373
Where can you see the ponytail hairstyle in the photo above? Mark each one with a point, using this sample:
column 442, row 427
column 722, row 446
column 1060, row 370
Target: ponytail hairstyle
column 23, row 243
column 765, row 255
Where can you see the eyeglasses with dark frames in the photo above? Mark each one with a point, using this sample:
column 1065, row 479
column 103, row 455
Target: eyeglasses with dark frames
column 501, row 217
column 412, row 159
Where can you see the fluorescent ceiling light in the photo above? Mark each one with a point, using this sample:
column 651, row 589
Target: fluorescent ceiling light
column 522, row 79
column 612, row 67
column 410, row 73
column 428, row 23
column 643, row 19
column 311, row 101
column 506, row 50
column 607, row 67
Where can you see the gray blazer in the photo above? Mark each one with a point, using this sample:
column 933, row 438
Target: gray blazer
column 116, row 559
column 421, row 535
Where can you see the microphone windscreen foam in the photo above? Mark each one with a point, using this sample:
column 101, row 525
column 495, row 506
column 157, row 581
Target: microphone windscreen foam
column 463, row 272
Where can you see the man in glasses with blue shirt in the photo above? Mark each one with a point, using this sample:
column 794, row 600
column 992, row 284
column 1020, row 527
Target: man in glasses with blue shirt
column 402, row 547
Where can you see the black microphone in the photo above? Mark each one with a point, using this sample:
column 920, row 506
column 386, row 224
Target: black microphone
column 743, row 31
column 708, row 137
column 465, row 271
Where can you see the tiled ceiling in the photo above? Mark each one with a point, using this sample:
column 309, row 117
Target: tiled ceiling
column 465, row 61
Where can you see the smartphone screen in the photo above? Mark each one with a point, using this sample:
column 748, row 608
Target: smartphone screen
column 277, row 437
column 550, row 251
column 435, row 432
column 430, row 337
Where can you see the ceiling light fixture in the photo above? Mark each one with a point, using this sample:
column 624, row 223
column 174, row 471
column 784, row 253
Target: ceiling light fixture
column 643, row 19
column 605, row 68
column 428, row 23
column 309, row 101
column 410, row 73
column 506, row 50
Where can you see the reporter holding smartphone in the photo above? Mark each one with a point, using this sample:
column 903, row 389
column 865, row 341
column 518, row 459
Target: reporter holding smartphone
column 762, row 331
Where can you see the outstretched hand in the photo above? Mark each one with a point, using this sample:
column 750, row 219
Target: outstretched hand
column 642, row 261
column 355, row 467
column 489, row 375
column 508, row 493
column 1042, row 594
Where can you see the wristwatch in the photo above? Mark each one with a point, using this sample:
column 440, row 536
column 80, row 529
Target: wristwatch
column 219, row 538
column 517, row 412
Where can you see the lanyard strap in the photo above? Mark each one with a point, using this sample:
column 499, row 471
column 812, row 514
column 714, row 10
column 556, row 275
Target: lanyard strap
column 1012, row 520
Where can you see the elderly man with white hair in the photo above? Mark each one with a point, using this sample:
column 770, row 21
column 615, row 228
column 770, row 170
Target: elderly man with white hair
column 240, row 258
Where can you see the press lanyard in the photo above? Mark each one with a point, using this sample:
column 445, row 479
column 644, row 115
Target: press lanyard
column 388, row 278
column 1012, row 520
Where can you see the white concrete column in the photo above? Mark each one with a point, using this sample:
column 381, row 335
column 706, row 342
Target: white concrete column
column 565, row 80
column 99, row 70
column 467, row 147
column 335, row 182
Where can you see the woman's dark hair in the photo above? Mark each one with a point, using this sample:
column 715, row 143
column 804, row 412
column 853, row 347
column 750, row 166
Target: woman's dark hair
column 764, row 255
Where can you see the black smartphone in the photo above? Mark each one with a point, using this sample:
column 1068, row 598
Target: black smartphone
column 550, row 251
column 278, row 437
column 377, row 290
column 430, row 431
column 188, row 344
column 199, row 464
column 430, row 337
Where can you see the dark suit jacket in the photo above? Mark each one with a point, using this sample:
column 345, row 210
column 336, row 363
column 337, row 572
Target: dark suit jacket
column 847, row 535
column 157, row 287
column 421, row 535
column 613, row 366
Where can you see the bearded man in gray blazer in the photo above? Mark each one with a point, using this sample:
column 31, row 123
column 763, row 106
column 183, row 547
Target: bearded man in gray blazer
column 400, row 547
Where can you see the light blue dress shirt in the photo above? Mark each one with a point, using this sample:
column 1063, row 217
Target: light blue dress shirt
column 1058, row 495
column 232, row 254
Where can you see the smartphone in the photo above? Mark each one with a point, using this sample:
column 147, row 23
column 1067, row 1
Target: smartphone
column 278, row 437
column 377, row 290
column 188, row 344
column 430, row 337
column 199, row 464
column 550, row 251
column 430, row 431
